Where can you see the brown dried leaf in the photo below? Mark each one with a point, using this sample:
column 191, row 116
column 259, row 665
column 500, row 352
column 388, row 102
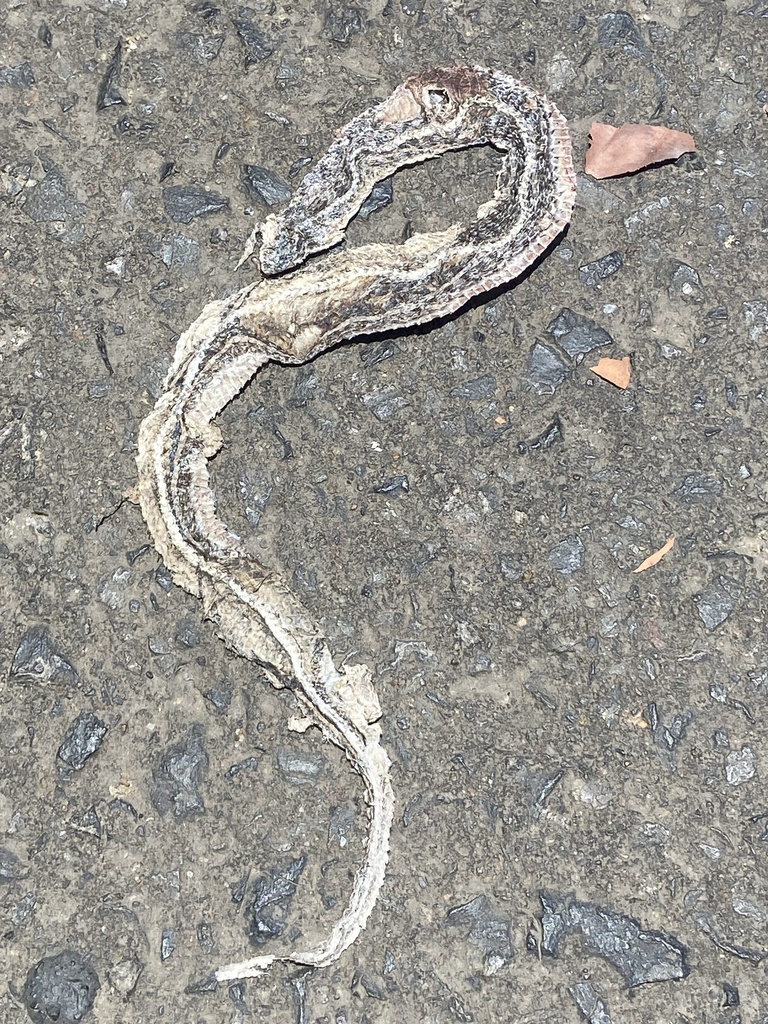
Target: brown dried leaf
column 656, row 556
column 615, row 151
column 615, row 371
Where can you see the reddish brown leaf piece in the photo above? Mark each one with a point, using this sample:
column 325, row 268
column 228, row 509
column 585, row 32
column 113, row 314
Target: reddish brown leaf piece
column 656, row 557
column 615, row 151
column 615, row 371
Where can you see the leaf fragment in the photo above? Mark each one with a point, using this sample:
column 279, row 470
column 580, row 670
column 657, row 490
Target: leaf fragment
column 656, row 557
column 616, row 371
column 614, row 151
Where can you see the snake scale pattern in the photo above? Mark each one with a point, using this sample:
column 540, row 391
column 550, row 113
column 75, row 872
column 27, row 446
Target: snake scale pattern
column 297, row 312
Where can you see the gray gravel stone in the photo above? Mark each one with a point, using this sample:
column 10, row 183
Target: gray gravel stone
column 60, row 989
column 257, row 44
column 265, row 186
column 300, row 767
column 740, row 766
column 568, row 556
column 601, row 269
column 481, row 387
column 577, row 334
column 715, row 604
column 545, row 371
column 20, row 77
column 82, row 739
column 183, row 203
column 698, row 488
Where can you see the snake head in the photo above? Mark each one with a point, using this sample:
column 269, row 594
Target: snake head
column 435, row 95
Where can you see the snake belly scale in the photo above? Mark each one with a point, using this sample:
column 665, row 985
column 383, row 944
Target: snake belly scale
column 297, row 312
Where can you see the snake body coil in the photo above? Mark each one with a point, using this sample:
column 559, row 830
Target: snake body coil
column 292, row 318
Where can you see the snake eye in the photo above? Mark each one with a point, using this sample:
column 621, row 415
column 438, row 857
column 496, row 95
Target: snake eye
column 436, row 99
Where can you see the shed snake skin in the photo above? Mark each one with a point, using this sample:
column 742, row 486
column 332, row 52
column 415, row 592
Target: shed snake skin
column 293, row 317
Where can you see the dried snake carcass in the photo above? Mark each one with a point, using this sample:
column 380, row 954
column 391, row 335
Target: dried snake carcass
column 291, row 318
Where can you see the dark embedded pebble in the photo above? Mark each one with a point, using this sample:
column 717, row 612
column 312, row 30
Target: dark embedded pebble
column 393, row 487
column 89, row 823
column 715, row 604
column 20, row 77
column 52, row 199
column 60, row 989
column 598, row 270
column 179, row 776
column 641, row 956
column 487, row 930
column 120, row 806
column 183, row 203
column 24, row 909
column 545, row 370
column 698, row 489
column 128, row 126
column 568, row 556
column 37, row 660
column 481, row 387
column 364, row 981
column 576, row 334
column 300, row 767
column 305, row 578
column 176, row 251
column 730, row 992
column 202, row 987
column 202, row 48
column 344, row 23
column 98, row 388
column 619, row 30
column 381, row 196
column 205, row 938
column 590, row 1003
column 298, row 165
column 667, row 738
column 264, row 186
column 167, row 944
column 512, row 567
column 82, row 739
column 248, row 764
column 188, row 633
column 270, row 901
column 11, row 868
column 256, row 43
column 685, row 282
column 377, row 352
column 163, row 578
column 385, row 404
column 553, row 433
column 109, row 94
